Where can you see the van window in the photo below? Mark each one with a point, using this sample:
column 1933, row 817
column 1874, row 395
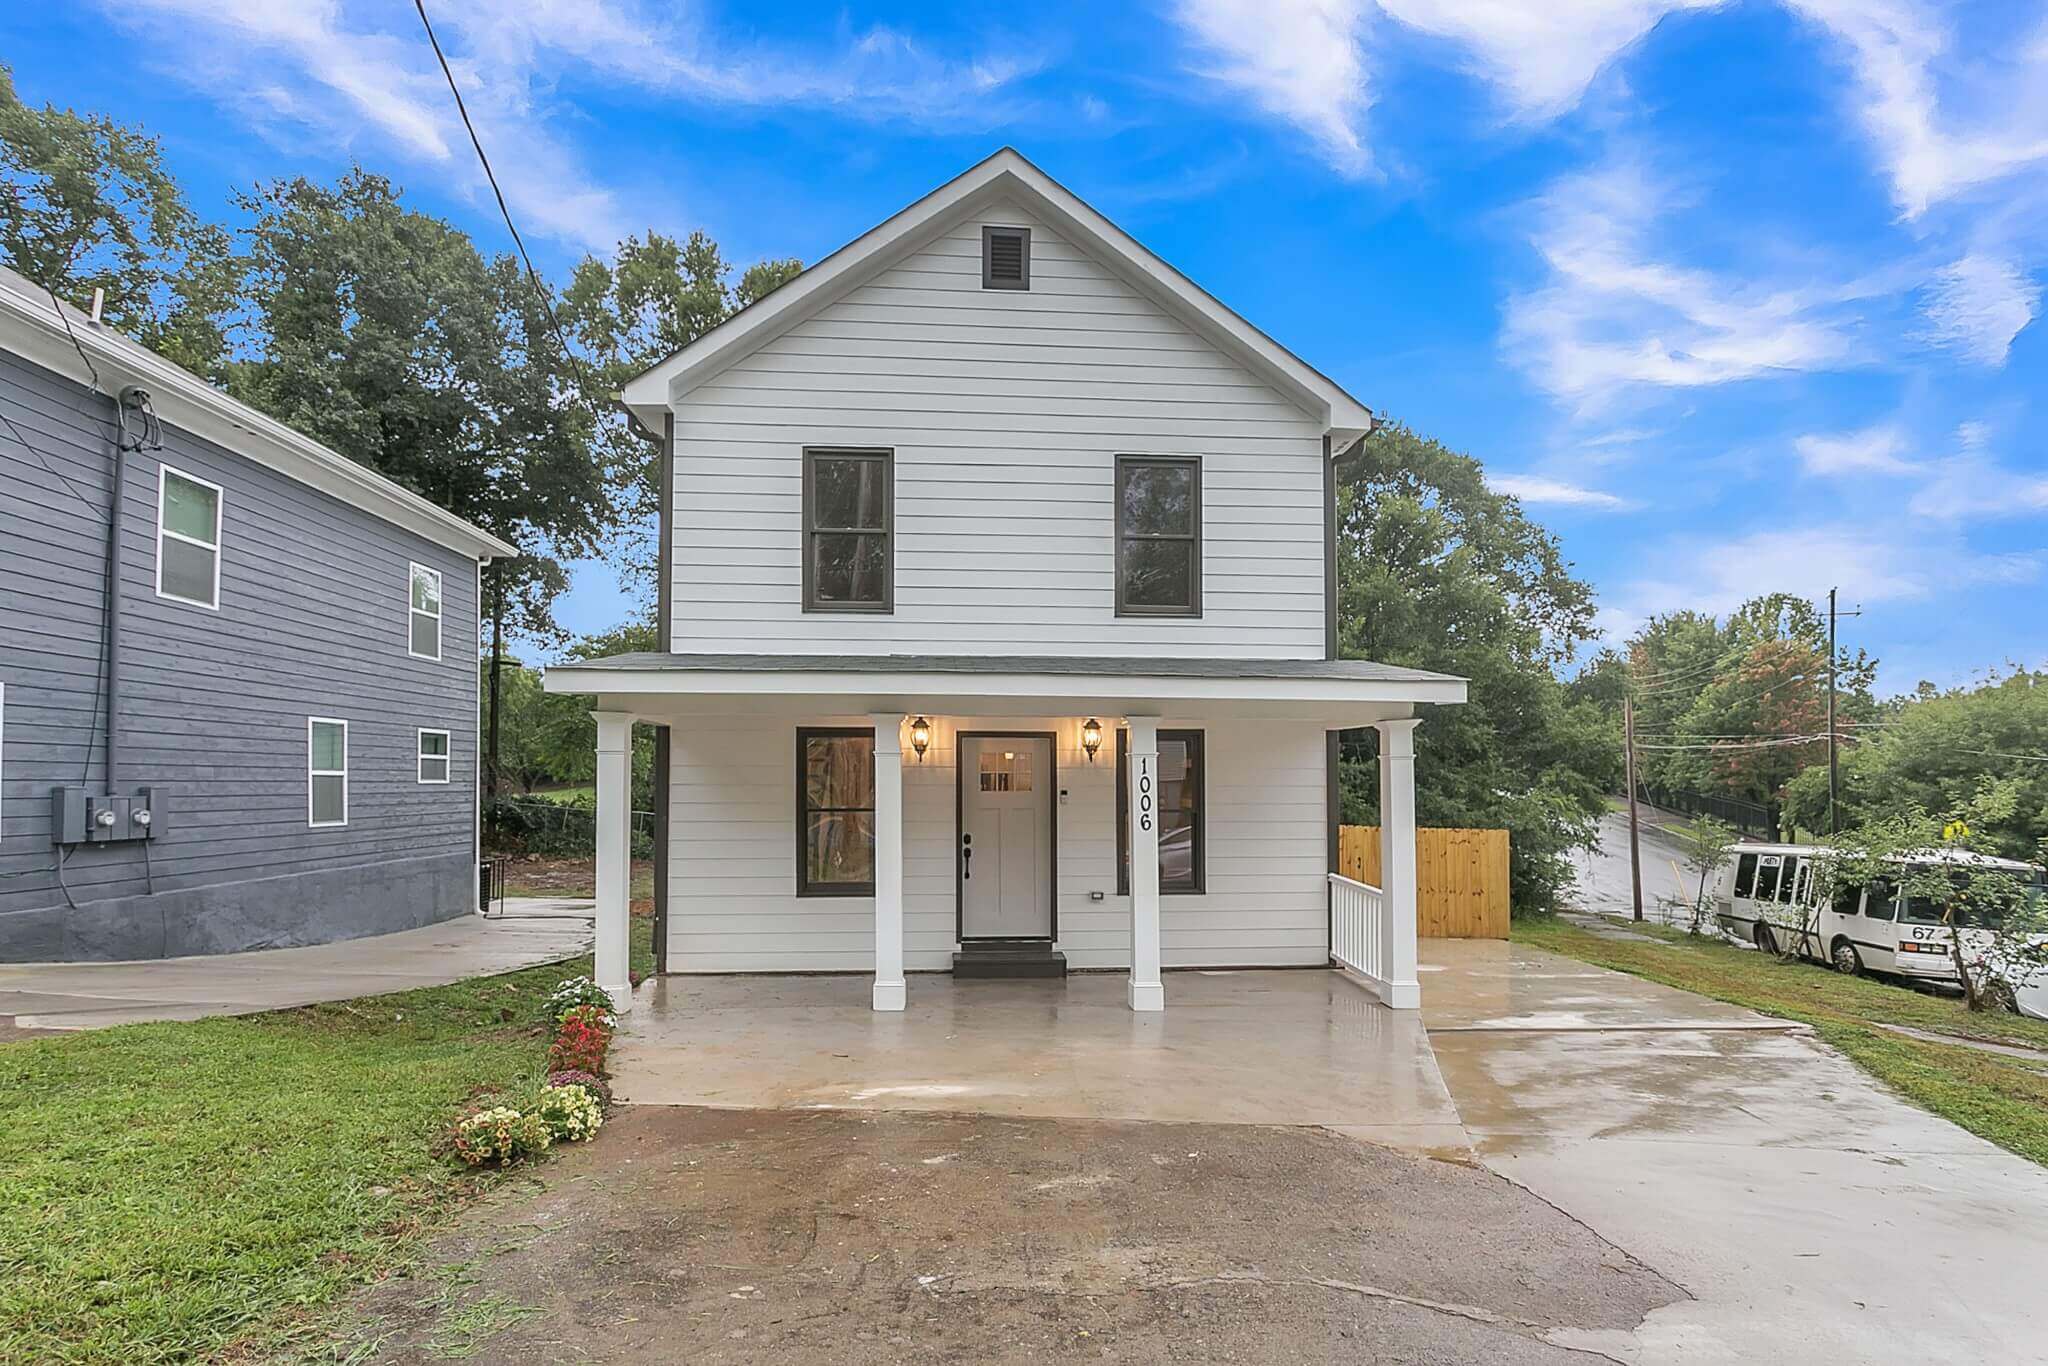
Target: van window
column 1847, row 897
column 1798, row 882
column 1768, row 868
column 1745, row 875
column 1883, row 903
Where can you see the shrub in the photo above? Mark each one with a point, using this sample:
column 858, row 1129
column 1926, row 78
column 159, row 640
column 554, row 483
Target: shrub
column 500, row 1134
column 571, row 1113
column 589, row 1081
column 577, row 991
column 581, row 1040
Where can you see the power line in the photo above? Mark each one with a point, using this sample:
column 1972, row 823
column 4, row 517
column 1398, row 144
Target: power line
column 540, row 290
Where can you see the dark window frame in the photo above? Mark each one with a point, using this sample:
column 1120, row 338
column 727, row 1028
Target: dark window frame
column 991, row 231
column 811, row 530
column 804, row 735
column 1193, row 464
column 1197, row 740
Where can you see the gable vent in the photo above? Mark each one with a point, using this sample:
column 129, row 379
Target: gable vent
column 1006, row 258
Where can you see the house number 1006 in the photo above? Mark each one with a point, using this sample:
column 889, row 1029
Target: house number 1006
column 1144, row 792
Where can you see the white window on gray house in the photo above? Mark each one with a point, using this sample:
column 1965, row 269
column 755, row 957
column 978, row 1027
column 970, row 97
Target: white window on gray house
column 425, row 614
column 1158, row 536
column 849, row 524
column 433, row 756
column 187, row 538
column 326, row 771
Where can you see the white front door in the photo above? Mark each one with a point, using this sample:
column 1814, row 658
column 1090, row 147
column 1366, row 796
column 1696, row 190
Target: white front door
column 1006, row 817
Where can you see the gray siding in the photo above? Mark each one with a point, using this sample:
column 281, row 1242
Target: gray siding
column 214, row 704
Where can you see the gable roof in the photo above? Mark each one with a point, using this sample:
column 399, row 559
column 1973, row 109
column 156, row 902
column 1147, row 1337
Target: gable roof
column 58, row 337
column 1005, row 175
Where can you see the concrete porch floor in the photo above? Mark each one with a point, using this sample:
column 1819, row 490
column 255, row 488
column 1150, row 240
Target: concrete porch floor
column 1285, row 1047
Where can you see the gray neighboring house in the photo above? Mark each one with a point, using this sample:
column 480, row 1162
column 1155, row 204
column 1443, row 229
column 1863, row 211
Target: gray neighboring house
column 266, row 733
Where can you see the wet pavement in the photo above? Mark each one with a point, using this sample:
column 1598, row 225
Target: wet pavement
column 1306, row 1046
column 63, row 996
column 1811, row 1214
column 1601, row 873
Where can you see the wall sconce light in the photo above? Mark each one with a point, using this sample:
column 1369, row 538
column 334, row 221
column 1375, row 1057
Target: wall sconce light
column 1091, row 737
column 920, row 737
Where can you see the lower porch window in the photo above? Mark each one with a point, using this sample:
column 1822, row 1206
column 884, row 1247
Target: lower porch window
column 835, row 818
column 1180, row 812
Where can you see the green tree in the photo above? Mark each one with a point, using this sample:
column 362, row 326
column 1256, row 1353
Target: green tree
column 88, row 204
column 654, row 297
column 1934, row 751
column 1437, row 571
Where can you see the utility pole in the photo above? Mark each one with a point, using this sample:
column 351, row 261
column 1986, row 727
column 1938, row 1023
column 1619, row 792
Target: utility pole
column 1834, row 738
column 1833, row 771
column 1635, row 853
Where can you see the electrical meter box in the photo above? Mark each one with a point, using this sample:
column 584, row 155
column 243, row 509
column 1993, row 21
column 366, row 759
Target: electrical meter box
column 81, row 816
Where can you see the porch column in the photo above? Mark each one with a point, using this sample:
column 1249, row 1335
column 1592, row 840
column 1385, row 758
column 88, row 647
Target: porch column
column 614, row 854
column 889, row 989
column 1397, row 863
column 1146, row 991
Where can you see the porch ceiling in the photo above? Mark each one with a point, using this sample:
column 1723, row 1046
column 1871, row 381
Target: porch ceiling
column 1337, row 692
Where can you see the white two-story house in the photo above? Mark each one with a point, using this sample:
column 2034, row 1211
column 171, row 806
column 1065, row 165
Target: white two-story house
column 996, row 608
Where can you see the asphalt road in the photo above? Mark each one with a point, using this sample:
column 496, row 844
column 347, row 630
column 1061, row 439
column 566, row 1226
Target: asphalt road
column 1603, row 875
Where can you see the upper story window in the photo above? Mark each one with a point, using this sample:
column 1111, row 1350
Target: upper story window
column 187, row 538
column 849, row 527
column 1005, row 258
column 1158, row 536
column 424, row 615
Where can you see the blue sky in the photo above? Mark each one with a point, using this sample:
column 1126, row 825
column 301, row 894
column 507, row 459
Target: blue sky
column 1738, row 297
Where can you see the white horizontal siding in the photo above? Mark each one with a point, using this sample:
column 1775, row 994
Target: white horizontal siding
column 733, row 905
column 1006, row 410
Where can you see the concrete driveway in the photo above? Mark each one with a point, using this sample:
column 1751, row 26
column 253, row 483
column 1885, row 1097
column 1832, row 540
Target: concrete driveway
column 1810, row 1214
column 60, row 996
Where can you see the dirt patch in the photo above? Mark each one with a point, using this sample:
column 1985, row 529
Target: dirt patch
column 781, row 1236
column 534, row 876
column 10, row 1032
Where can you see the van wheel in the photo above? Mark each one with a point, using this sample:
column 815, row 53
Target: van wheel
column 1766, row 942
column 1847, row 961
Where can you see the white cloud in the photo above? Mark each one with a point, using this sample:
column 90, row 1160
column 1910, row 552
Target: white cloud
column 1978, row 305
column 1535, row 489
column 1945, row 117
column 1613, row 315
column 1874, row 450
column 1541, row 56
column 347, row 72
column 1968, row 488
column 1301, row 60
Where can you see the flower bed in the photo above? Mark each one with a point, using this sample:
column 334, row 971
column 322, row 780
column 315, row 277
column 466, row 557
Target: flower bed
column 570, row 1108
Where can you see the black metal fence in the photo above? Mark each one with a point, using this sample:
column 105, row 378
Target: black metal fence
column 540, row 827
column 1749, row 818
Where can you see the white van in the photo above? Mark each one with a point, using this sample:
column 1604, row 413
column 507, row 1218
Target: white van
column 1766, row 894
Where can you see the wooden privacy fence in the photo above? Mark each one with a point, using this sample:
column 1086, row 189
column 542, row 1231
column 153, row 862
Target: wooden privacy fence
column 1461, row 878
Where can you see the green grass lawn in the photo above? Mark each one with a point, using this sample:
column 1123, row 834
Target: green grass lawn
column 171, row 1191
column 2002, row 1099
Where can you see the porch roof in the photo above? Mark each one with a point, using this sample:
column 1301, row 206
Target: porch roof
column 1339, row 691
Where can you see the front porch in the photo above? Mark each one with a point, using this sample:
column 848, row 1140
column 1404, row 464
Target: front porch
column 879, row 815
column 1272, row 1047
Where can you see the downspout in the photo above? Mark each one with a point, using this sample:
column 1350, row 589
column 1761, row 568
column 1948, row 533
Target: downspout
column 112, row 644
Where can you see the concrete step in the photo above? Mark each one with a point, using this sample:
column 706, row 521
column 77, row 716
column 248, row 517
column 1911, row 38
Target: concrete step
column 1037, row 960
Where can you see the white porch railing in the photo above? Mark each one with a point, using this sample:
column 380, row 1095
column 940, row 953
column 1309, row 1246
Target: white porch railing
column 1364, row 938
